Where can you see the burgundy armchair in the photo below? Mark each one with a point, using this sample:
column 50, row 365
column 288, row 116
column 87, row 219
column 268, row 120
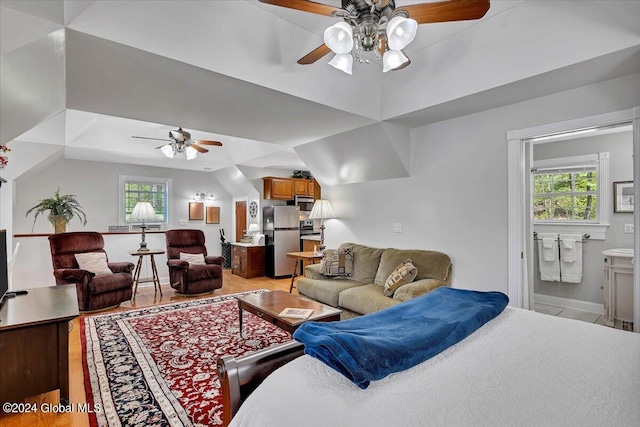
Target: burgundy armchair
column 94, row 292
column 195, row 279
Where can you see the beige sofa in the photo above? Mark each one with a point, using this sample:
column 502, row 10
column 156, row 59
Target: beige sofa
column 363, row 292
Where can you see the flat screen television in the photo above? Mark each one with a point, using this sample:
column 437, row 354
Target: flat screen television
column 4, row 278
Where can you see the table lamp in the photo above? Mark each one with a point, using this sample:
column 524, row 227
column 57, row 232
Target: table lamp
column 321, row 210
column 143, row 211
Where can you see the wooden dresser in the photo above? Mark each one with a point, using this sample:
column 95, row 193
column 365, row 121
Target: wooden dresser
column 34, row 342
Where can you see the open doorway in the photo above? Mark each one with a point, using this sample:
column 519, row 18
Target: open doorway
column 521, row 229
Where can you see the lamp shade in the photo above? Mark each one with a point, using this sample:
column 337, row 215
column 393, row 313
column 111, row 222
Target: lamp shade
column 393, row 59
column 168, row 151
column 343, row 62
column 339, row 38
column 144, row 211
column 253, row 228
column 321, row 210
column 190, row 152
column 400, row 32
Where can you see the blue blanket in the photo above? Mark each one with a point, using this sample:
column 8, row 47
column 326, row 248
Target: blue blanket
column 373, row 346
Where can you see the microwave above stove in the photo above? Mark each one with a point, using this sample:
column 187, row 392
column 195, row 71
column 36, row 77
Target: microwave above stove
column 304, row 203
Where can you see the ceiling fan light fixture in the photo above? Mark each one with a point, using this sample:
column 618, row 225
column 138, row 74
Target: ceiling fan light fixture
column 343, row 62
column 392, row 59
column 190, row 152
column 339, row 38
column 168, row 151
column 400, row 32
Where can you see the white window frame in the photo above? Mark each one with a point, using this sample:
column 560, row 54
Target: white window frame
column 598, row 227
column 121, row 203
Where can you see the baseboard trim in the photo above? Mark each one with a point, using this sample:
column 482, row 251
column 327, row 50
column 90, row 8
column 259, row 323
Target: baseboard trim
column 569, row 303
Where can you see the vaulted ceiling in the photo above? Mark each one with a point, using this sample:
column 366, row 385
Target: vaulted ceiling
column 87, row 75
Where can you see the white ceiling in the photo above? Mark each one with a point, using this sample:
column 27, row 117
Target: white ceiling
column 226, row 70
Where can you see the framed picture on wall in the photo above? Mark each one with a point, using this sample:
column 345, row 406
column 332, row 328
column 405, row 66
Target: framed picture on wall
column 196, row 211
column 213, row 215
column 623, row 196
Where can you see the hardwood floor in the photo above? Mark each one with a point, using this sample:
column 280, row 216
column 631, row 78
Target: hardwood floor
column 144, row 298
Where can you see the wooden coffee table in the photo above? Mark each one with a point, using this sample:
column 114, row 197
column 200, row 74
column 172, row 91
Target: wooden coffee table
column 268, row 305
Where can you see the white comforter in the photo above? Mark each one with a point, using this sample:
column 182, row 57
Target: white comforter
column 521, row 369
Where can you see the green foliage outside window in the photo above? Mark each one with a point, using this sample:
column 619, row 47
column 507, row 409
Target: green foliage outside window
column 153, row 192
column 570, row 196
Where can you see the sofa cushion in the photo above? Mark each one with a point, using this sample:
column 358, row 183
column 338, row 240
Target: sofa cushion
column 95, row 262
column 110, row 283
column 192, row 259
column 430, row 264
column 401, row 275
column 337, row 262
column 325, row 290
column 365, row 262
column 365, row 299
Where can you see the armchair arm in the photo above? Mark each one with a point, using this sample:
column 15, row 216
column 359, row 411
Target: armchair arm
column 312, row 271
column 72, row 275
column 214, row 259
column 121, row 267
column 177, row 263
column 417, row 288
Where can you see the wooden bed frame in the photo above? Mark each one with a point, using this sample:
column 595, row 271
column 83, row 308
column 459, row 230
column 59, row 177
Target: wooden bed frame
column 239, row 377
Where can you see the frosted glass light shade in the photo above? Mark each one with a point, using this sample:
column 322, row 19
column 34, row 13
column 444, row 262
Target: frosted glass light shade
column 190, row 152
column 339, row 38
column 321, row 210
column 143, row 211
column 400, row 32
column 393, row 59
column 167, row 150
column 343, row 62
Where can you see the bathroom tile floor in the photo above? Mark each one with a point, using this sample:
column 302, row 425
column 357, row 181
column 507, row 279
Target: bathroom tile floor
column 585, row 316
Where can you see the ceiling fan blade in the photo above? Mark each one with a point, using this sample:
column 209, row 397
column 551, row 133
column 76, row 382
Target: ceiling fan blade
column 205, row 142
column 198, row 148
column 160, row 146
column 305, row 6
column 445, row 11
column 314, row 55
column 154, row 139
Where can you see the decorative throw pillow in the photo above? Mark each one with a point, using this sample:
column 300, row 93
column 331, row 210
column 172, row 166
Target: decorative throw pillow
column 337, row 262
column 95, row 262
column 403, row 274
column 192, row 259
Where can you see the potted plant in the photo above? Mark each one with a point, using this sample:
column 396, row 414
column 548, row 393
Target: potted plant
column 61, row 210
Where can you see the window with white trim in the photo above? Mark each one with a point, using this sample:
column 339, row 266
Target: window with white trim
column 143, row 189
column 569, row 190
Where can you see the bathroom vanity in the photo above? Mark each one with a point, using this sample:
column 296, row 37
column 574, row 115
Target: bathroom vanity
column 618, row 288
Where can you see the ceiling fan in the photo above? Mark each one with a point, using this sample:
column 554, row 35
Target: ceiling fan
column 180, row 142
column 377, row 26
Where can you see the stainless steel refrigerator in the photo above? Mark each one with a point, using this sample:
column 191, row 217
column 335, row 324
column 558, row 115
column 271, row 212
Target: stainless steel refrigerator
column 281, row 225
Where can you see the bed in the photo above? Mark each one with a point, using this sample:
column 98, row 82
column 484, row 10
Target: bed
column 521, row 368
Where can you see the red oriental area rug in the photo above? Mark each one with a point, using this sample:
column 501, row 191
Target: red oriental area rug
column 156, row 366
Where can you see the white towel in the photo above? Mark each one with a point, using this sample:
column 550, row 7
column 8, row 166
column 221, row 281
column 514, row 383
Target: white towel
column 571, row 258
column 548, row 257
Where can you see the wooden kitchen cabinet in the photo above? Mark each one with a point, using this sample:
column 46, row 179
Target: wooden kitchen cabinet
column 277, row 188
column 247, row 261
column 286, row 188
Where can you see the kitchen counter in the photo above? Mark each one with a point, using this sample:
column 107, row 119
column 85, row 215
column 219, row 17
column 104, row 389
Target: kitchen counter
column 314, row 237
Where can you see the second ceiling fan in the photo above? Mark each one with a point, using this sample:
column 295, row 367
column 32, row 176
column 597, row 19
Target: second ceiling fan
column 377, row 26
column 180, row 142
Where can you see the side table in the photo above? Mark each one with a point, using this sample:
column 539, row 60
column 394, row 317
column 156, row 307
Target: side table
column 309, row 256
column 154, row 269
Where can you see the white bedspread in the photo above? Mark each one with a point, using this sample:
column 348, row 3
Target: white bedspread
column 521, row 369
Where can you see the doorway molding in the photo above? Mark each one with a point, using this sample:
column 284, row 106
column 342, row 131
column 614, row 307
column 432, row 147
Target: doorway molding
column 519, row 208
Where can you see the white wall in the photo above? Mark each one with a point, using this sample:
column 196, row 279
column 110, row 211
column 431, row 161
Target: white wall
column 620, row 149
column 455, row 200
column 96, row 186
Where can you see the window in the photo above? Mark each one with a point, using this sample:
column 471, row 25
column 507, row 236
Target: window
column 140, row 189
column 569, row 190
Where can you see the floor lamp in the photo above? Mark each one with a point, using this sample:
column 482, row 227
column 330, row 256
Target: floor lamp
column 321, row 210
column 143, row 211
